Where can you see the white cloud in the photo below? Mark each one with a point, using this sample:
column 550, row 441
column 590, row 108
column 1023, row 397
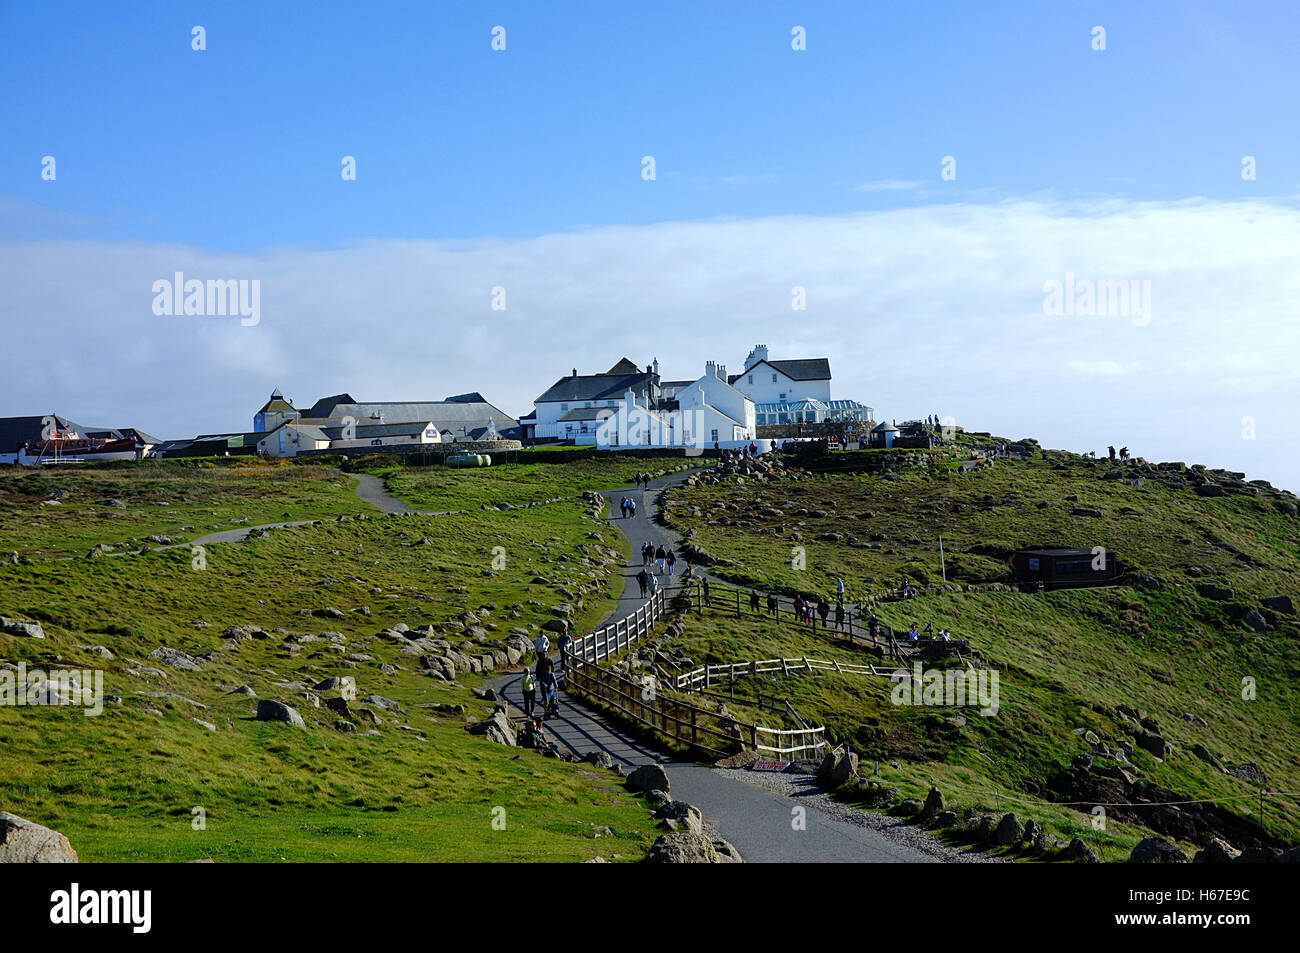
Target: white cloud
column 936, row 309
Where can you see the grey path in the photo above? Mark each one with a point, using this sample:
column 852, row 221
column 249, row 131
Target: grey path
column 760, row 823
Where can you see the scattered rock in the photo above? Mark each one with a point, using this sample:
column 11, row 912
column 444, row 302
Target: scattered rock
column 24, row 842
column 648, row 777
column 1156, row 850
column 268, row 710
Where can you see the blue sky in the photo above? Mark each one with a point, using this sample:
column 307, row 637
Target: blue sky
column 775, row 168
column 239, row 147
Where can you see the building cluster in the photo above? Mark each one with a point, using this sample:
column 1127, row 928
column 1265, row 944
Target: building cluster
column 626, row 406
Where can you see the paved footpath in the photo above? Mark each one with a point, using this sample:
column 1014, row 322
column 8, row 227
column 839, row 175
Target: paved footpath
column 759, row 823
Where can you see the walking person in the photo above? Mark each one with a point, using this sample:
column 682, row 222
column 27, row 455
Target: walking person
column 671, row 560
column 704, row 590
column 753, row 601
column 823, row 609
column 660, row 558
column 773, row 605
column 566, row 646
column 643, row 580
column 839, row 615
column 528, row 685
column 541, row 645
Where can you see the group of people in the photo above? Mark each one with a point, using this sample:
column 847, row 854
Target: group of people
column 543, row 679
column 741, row 454
column 1123, row 454
column 628, row 506
column 914, row 634
column 642, row 480
column 648, row 582
column 658, row 556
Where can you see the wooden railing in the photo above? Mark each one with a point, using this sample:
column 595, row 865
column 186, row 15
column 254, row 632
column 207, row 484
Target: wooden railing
column 640, row 701
column 614, row 638
column 709, row 675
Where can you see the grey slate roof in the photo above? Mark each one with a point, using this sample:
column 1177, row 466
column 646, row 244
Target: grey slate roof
column 16, row 432
column 595, row 387
column 807, row 369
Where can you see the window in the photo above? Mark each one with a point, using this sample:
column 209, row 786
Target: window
column 715, row 436
column 587, row 404
column 563, row 408
column 773, row 378
column 376, row 443
column 782, row 396
column 751, row 378
column 1033, row 564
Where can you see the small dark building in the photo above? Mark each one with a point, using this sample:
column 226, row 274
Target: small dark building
column 1059, row 568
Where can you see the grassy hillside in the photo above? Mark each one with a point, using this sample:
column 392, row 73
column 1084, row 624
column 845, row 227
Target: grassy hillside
column 57, row 511
column 1067, row 660
column 122, row 785
column 440, row 489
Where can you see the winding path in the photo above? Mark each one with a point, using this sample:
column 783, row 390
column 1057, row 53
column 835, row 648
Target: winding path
column 760, row 823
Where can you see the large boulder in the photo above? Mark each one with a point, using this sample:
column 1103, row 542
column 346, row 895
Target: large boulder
column 684, row 847
column 1156, row 850
column 1008, row 831
column 1279, row 604
column 837, row 767
column 24, row 627
column 648, row 777
column 22, row 842
column 678, row 815
column 497, row 729
column 1152, row 743
column 345, row 685
column 175, row 658
column 1217, row 851
column 268, row 710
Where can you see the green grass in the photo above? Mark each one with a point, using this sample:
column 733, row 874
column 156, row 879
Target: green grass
column 200, row 497
column 1065, row 659
column 440, row 489
column 122, row 785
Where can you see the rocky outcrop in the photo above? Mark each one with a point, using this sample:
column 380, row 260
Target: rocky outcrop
column 648, row 777
column 268, row 710
column 24, row 627
column 837, row 767
column 23, row 842
column 1156, row 850
column 684, row 847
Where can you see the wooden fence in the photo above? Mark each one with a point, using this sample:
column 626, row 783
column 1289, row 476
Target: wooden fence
column 710, row 675
column 614, row 638
column 683, row 723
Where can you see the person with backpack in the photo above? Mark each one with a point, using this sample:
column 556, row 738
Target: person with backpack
column 753, row 601
column 528, row 685
column 671, row 559
column 643, row 580
column 661, row 558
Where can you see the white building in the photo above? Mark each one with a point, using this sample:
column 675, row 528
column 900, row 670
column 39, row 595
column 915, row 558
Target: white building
column 570, row 409
column 702, row 413
column 797, row 391
column 291, row 439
